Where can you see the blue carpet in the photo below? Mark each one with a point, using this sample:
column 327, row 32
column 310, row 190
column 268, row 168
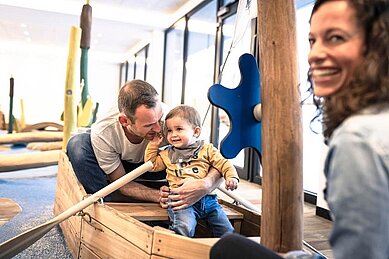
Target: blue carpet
column 36, row 198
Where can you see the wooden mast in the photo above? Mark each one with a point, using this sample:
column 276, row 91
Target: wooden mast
column 282, row 194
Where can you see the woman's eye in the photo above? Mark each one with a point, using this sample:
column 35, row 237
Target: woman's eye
column 335, row 39
column 311, row 41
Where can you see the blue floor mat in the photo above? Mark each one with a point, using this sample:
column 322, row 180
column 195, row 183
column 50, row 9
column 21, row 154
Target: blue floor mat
column 36, row 198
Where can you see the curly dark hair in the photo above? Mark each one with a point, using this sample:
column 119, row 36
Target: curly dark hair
column 370, row 82
column 134, row 94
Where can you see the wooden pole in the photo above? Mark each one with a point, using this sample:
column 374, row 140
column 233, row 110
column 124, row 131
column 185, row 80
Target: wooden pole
column 282, row 193
column 11, row 102
column 72, row 72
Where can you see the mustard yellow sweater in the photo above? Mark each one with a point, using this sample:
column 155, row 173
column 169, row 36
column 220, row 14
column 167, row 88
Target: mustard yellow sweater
column 197, row 167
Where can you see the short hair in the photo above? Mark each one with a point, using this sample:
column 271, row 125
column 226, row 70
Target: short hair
column 187, row 113
column 134, row 94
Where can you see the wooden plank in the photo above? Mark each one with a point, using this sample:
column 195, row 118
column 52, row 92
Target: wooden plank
column 8, row 209
column 27, row 137
column 105, row 243
column 282, row 192
column 28, row 160
column 153, row 212
column 85, row 252
column 176, row 246
column 71, row 230
column 135, row 232
column 48, row 126
column 45, row 146
column 141, row 211
column 68, row 192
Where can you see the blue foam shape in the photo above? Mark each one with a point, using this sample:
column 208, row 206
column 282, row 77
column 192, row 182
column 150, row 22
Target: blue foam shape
column 238, row 103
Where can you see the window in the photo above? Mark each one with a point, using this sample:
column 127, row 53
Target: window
column 141, row 63
column 199, row 65
column 174, row 56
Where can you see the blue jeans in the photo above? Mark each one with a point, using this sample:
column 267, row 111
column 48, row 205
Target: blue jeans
column 92, row 177
column 184, row 221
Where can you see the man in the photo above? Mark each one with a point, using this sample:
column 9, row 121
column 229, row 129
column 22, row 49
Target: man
column 116, row 145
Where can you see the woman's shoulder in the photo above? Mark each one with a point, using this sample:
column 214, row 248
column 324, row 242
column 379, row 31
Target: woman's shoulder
column 371, row 127
column 368, row 121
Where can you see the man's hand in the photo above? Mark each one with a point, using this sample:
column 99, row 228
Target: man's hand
column 164, row 192
column 188, row 192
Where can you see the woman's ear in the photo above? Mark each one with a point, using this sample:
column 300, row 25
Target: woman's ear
column 123, row 120
column 197, row 132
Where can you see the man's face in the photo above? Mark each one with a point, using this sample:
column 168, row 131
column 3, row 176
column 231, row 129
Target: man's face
column 147, row 121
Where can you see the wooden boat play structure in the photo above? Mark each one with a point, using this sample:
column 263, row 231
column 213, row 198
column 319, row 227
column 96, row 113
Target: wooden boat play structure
column 119, row 230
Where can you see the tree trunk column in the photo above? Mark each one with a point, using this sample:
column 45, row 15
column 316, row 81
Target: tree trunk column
column 282, row 193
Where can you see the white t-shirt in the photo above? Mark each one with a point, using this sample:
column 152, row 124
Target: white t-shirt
column 111, row 145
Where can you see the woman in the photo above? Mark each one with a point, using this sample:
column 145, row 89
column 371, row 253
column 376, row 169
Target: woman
column 349, row 69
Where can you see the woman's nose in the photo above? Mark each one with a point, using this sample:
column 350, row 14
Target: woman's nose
column 317, row 53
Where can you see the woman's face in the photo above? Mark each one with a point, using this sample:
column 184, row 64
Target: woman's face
column 337, row 44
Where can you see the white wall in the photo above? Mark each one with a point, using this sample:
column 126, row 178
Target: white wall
column 39, row 74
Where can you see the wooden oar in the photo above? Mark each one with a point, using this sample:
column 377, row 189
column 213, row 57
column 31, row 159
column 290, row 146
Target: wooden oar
column 238, row 198
column 17, row 244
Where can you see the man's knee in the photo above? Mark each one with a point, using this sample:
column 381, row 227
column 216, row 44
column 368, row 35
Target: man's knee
column 75, row 147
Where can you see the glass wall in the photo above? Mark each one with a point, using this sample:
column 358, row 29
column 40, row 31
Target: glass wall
column 141, row 63
column 199, row 64
column 174, row 60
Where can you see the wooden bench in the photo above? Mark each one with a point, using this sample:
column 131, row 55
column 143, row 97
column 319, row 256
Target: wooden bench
column 153, row 212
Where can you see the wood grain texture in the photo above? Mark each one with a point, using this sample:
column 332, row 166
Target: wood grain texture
column 282, row 200
column 8, row 209
column 28, row 160
column 27, row 137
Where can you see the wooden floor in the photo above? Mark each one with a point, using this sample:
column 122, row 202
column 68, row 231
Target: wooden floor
column 316, row 229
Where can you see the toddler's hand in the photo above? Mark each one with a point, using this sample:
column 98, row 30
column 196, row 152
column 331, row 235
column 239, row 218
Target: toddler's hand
column 158, row 137
column 231, row 183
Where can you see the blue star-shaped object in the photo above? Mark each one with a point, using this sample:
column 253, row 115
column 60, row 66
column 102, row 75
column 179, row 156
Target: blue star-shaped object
column 239, row 103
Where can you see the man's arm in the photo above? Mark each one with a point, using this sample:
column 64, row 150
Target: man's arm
column 191, row 190
column 134, row 190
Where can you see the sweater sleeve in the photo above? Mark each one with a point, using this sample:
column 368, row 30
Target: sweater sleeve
column 223, row 165
column 152, row 154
